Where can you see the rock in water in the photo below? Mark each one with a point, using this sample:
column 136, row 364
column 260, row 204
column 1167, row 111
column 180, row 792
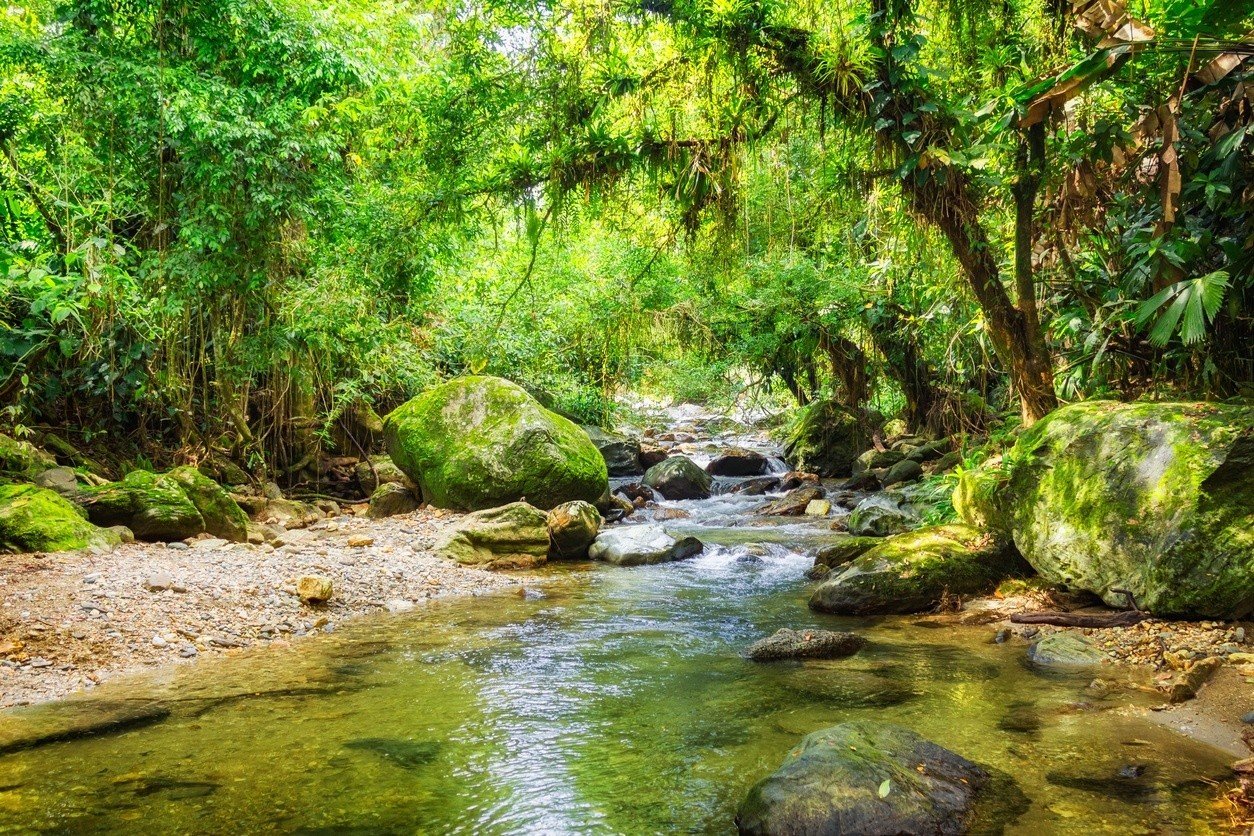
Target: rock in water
column 805, row 644
column 881, row 515
column 913, row 572
column 621, row 452
column 738, row 462
column 34, row 519
column 222, row 515
column 314, row 589
column 865, row 777
column 514, row 536
column 793, row 503
column 572, row 528
column 1149, row 497
column 637, row 545
column 905, row 470
column 155, row 507
column 1065, row 650
column 826, row 439
column 678, row 477
column 480, row 442
column 391, row 499
column 845, row 550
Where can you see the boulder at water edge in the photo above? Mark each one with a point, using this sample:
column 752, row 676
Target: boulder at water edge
column 638, row 545
column 826, row 439
column 738, row 461
column 678, row 477
column 865, row 777
column 1065, row 650
column 621, row 452
column 882, row 514
column 480, row 442
column 914, row 572
column 514, row 536
column 153, row 506
column 1157, row 499
column 34, row 519
column 572, row 528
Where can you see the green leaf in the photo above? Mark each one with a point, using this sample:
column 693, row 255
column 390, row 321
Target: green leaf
column 886, row 788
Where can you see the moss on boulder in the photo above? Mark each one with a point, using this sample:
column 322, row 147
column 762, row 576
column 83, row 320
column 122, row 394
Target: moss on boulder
column 222, row 515
column 826, row 439
column 21, row 461
column 514, row 536
column 153, row 506
column 1154, row 498
column 979, row 497
column 678, row 477
column 914, row 572
column 34, row 519
column 480, row 442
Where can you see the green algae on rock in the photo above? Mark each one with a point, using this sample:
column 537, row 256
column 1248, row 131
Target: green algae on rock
column 572, row 528
column 222, row 515
column 21, row 461
column 34, row 519
column 913, row 572
column 514, row 536
column 826, row 439
column 153, row 506
column 479, row 442
column 1153, row 498
column 678, row 477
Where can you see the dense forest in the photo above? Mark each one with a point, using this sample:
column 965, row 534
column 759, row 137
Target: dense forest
column 246, row 229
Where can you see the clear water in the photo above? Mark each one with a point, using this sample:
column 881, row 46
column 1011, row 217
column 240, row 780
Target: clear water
column 617, row 703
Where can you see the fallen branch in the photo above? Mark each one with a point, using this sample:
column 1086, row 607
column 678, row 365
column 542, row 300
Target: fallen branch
column 1123, row 618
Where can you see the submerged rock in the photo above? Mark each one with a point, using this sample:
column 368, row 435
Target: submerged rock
column 1153, row 498
column 479, row 442
column 638, row 545
column 914, row 572
column 621, row 452
column 793, row 503
column 805, row 644
column 572, row 528
column 865, row 777
column 826, row 439
column 1065, row 650
column 34, row 519
column 678, row 477
column 514, row 536
column 738, row 462
column 881, row 515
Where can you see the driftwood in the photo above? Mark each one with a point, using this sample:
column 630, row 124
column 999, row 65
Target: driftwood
column 1123, row 618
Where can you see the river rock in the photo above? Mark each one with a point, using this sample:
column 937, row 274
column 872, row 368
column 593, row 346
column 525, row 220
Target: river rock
column 1154, row 498
column 865, row 777
column 222, row 515
column 22, row 461
column 651, row 454
column 865, row 482
column 930, row 451
column 1065, row 650
column 34, row 519
column 825, row 439
column 805, row 644
column 63, row 480
column 572, row 528
column 881, row 515
column 314, row 589
column 793, row 503
column 845, row 550
column 621, row 452
column 756, row 486
column 818, row 508
column 380, row 470
column 678, row 478
column 876, row 460
column 738, row 461
column 391, row 499
column 914, row 572
column 155, row 507
column 514, row 536
column 637, row 545
column 906, row 470
column 480, row 442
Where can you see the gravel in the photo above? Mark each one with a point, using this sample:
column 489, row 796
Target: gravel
column 70, row 621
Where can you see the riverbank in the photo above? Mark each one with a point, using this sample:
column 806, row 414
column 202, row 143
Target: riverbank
column 71, row 621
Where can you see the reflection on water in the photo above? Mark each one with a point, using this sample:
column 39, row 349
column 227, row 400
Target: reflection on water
column 617, row 704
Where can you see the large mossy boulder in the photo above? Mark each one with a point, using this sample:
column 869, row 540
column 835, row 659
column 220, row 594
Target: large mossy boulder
column 678, row 477
column 222, row 515
column 826, row 439
column 153, row 506
column 514, row 536
column 481, row 442
column 1156, row 499
column 34, row 519
column 21, row 461
column 865, row 777
column 914, row 572
column 621, row 452
column 882, row 515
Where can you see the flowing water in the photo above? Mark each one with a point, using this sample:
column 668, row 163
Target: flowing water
column 617, row 702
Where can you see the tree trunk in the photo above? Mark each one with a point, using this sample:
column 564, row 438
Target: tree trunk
column 904, row 363
column 849, row 368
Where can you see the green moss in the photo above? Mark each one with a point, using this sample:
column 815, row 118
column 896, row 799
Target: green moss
column 21, row 461
column 978, row 496
column 222, row 515
column 34, row 519
column 154, row 507
column 844, row 550
column 480, row 442
column 514, row 536
column 826, row 438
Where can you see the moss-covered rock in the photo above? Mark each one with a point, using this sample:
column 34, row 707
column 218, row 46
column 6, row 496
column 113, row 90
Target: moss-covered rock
column 914, row 572
column 34, row 519
column 679, row 477
column 572, row 528
column 514, row 536
column 865, row 777
column 391, row 499
column 381, row 470
column 1157, row 499
column 845, row 550
column 21, row 461
column 825, row 439
column 154, row 507
column 222, row 515
column 979, row 497
column 480, row 442
column 882, row 515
